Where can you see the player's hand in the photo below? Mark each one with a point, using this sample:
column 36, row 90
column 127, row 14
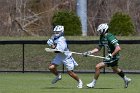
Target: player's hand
column 87, row 53
column 108, row 57
column 50, row 42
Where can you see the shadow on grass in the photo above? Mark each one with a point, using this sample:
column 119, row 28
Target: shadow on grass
column 57, row 88
column 103, row 88
column 75, row 88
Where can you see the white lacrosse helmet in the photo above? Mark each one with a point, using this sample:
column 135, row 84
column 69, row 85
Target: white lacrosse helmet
column 102, row 28
column 58, row 31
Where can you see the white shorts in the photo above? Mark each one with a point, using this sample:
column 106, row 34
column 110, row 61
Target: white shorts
column 69, row 62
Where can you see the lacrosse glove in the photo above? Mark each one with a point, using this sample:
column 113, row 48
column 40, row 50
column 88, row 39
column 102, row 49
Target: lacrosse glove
column 108, row 57
column 50, row 42
column 87, row 53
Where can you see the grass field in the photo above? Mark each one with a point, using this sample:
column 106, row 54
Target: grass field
column 37, row 59
column 41, row 83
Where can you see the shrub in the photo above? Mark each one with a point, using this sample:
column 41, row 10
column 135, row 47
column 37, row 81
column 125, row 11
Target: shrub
column 121, row 24
column 69, row 20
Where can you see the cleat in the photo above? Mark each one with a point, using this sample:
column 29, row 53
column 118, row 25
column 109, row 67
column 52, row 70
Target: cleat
column 91, row 85
column 80, row 84
column 57, row 78
column 127, row 81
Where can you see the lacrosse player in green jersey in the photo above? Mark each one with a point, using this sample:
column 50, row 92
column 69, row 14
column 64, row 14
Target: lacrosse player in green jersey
column 111, row 60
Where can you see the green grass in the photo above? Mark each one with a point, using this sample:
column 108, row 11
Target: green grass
column 41, row 83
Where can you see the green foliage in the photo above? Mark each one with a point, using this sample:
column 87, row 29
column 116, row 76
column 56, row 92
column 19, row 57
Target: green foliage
column 70, row 21
column 121, row 24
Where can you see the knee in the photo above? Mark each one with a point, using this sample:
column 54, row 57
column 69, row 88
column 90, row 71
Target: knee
column 100, row 66
column 51, row 67
column 69, row 72
column 117, row 70
column 97, row 67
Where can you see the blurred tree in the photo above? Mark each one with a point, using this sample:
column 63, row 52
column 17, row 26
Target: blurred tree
column 69, row 20
column 121, row 24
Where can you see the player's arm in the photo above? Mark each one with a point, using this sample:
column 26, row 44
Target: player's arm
column 114, row 42
column 95, row 50
column 50, row 42
column 53, row 46
column 117, row 49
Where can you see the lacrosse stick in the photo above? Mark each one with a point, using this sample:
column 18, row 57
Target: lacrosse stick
column 55, row 50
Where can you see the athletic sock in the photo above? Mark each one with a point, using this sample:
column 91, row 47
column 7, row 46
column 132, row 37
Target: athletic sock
column 80, row 81
column 94, row 81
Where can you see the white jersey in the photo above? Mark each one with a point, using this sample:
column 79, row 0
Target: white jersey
column 61, row 45
column 64, row 58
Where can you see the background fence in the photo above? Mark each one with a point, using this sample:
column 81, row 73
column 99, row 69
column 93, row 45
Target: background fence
column 29, row 56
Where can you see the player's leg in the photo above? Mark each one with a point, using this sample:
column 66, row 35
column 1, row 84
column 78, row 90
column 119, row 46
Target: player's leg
column 122, row 75
column 70, row 63
column 53, row 68
column 98, row 67
column 75, row 76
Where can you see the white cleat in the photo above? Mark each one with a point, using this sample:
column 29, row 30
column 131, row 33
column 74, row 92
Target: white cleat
column 57, row 78
column 127, row 81
column 80, row 84
column 91, row 85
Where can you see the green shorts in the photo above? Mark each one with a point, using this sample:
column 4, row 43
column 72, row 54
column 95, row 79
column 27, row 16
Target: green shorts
column 111, row 63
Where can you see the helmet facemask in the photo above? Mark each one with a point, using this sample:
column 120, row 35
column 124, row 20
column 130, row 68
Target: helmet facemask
column 58, row 31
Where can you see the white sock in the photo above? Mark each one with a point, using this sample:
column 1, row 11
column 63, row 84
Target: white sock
column 124, row 78
column 94, row 81
column 79, row 81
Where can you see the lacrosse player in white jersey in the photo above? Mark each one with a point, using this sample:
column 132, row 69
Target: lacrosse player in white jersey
column 58, row 41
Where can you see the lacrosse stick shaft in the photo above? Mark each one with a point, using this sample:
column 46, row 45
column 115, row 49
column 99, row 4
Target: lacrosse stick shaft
column 88, row 55
column 76, row 53
column 96, row 56
column 54, row 50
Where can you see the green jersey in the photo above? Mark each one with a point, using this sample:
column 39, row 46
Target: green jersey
column 109, row 41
